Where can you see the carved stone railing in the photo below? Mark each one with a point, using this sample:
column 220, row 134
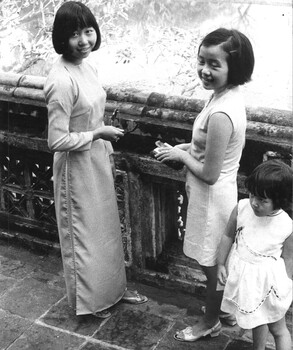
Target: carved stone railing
column 151, row 197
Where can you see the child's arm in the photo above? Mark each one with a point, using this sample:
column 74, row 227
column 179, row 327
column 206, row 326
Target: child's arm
column 287, row 255
column 225, row 246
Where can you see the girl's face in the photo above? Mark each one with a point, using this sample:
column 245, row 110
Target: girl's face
column 80, row 44
column 261, row 206
column 212, row 67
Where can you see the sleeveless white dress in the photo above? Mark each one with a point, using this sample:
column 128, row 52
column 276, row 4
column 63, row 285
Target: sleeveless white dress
column 209, row 207
column 84, row 193
column 258, row 290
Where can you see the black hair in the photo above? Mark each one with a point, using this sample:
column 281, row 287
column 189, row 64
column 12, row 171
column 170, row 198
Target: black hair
column 72, row 15
column 272, row 179
column 240, row 53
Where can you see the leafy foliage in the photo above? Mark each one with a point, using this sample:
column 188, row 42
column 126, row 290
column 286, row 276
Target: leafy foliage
column 161, row 33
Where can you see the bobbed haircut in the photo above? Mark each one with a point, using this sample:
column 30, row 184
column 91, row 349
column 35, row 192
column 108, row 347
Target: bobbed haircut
column 71, row 16
column 272, row 179
column 240, row 53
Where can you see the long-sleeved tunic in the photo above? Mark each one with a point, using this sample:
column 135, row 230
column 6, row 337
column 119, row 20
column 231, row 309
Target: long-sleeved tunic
column 84, row 193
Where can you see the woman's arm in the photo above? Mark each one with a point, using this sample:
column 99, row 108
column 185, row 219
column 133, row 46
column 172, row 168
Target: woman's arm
column 219, row 132
column 287, row 255
column 60, row 95
column 225, row 246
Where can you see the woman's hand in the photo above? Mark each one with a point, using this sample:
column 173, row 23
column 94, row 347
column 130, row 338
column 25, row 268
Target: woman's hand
column 222, row 274
column 169, row 153
column 108, row 133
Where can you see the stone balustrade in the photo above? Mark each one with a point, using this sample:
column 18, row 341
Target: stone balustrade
column 151, row 198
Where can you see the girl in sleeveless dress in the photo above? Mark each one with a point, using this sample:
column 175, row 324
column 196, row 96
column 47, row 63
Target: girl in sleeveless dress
column 225, row 61
column 257, row 268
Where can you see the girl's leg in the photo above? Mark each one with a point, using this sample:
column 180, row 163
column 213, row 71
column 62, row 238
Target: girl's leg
column 210, row 320
column 259, row 336
column 213, row 297
column 281, row 334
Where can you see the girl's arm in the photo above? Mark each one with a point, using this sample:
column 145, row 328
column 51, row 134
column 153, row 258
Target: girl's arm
column 183, row 146
column 225, row 246
column 219, row 132
column 287, row 255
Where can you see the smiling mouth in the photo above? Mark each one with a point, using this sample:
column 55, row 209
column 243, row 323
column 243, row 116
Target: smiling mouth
column 206, row 80
column 84, row 50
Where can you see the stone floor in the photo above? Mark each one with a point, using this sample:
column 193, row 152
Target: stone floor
column 34, row 314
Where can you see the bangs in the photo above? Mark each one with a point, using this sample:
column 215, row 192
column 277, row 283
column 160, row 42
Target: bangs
column 78, row 19
column 262, row 184
column 261, row 189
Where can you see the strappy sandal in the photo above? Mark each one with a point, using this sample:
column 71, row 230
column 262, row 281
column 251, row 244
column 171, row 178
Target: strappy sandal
column 103, row 314
column 186, row 335
column 135, row 298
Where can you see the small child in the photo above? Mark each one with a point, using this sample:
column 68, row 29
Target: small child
column 258, row 274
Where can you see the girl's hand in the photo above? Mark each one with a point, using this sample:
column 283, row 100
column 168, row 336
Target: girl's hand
column 169, row 153
column 108, row 133
column 287, row 255
column 222, row 274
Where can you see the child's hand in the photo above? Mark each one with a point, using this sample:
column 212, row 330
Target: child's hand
column 222, row 274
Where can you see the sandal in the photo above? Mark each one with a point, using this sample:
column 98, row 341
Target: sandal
column 135, row 298
column 186, row 334
column 103, row 314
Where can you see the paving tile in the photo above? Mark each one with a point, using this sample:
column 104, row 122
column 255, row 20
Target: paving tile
column 6, row 283
column 247, row 337
column 43, row 338
column 94, row 346
column 241, row 345
column 54, row 281
column 11, row 328
column 14, row 268
column 62, row 316
column 164, row 310
column 46, row 261
column 187, row 303
column 30, row 298
column 133, row 329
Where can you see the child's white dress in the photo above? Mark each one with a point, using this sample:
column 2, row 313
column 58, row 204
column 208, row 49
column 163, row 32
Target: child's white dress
column 258, row 290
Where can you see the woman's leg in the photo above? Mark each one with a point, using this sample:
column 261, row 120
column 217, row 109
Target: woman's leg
column 281, row 334
column 259, row 337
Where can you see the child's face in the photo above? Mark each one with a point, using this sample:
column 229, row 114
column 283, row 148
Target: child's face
column 212, row 67
column 261, row 206
column 80, row 44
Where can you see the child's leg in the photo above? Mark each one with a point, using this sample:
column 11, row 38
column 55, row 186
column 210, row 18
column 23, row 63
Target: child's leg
column 259, row 336
column 281, row 334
